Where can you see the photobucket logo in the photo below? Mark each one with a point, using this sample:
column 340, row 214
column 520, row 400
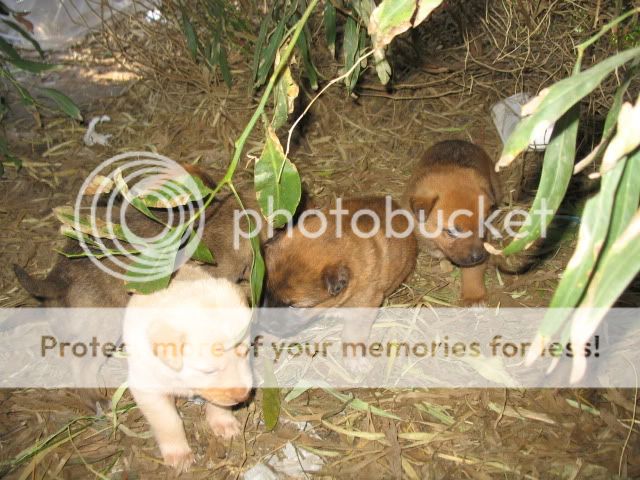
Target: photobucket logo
column 134, row 185
column 367, row 223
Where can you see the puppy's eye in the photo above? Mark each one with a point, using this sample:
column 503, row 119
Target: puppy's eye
column 451, row 232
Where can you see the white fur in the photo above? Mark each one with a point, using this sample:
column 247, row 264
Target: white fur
column 210, row 318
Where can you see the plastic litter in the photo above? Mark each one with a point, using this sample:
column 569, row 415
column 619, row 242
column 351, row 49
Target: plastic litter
column 507, row 113
column 294, row 462
column 59, row 23
column 91, row 137
column 260, row 472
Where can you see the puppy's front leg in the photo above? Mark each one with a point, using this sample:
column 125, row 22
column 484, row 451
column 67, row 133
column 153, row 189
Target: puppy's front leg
column 474, row 293
column 166, row 424
column 222, row 421
column 355, row 333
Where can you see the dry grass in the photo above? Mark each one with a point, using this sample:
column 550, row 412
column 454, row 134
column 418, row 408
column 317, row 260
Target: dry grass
column 346, row 146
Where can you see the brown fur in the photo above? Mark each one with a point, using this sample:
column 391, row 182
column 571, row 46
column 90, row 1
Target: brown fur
column 453, row 175
column 79, row 283
column 330, row 272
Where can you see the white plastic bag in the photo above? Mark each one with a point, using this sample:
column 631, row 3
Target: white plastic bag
column 60, row 23
column 507, row 113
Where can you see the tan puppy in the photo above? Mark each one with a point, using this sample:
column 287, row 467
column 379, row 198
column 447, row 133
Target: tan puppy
column 79, row 283
column 452, row 190
column 329, row 272
column 189, row 339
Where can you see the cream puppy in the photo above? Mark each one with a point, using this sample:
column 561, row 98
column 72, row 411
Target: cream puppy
column 189, row 339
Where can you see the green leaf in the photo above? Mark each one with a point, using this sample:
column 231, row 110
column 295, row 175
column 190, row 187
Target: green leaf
column 8, row 50
column 4, row 151
column 390, row 18
column 151, row 270
column 115, row 399
column 269, row 54
column 330, row 27
column 270, row 398
column 285, row 93
column 277, row 183
column 301, row 387
column 627, row 199
column 383, row 69
column 350, row 51
column 137, row 203
column 13, row 25
column 174, row 192
column 33, row 67
column 26, row 97
column 617, row 268
column 555, row 101
column 189, row 33
column 591, row 238
column 557, row 167
column 437, row 411
column 257, row 269
column 224, row 66
column 64, row 103
column 202, row 253
column 309, row 68
column 361, row 405
column 257, row 55
column 96, row 227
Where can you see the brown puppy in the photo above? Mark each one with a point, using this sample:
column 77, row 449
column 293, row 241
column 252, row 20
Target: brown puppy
column 339, row 270
column 451, row 192
column 79, row 283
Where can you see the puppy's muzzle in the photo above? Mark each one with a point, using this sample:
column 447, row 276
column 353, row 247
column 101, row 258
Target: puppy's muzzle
column 226, row 396
column 477, row 256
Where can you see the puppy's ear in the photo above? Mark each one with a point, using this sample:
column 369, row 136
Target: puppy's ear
column 336, row 278
column 422, row 205
column 167, row 344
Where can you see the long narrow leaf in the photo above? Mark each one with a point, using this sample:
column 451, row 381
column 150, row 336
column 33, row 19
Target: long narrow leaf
column 627, row 199
column 269, row 54
column 554, row 180
column 190, row 34
column 309, row 68
column 257, row 55
column 351, row 48
column 33, row 67
column 8, row 50
column 556, row 100
column 591, row 238
column 13, row 25
column 330, row 27
column 64, row 103
column 618, row 267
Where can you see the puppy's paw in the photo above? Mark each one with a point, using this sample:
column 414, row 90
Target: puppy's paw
column 474, row 302
column 178, row 456
column 222, row 422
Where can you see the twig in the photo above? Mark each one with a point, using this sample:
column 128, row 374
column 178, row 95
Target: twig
column 324, row 89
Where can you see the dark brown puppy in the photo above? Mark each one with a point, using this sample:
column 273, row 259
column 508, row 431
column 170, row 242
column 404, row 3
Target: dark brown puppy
column 452, row 190
column 334, row 270
column 79, row 283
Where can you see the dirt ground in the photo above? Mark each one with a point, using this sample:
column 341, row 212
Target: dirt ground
column 346, row 147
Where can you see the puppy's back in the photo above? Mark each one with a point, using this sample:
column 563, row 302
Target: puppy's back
column 458, row 153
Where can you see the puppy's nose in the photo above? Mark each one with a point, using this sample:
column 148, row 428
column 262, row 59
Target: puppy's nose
column 238, row 395
column 478, row 255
